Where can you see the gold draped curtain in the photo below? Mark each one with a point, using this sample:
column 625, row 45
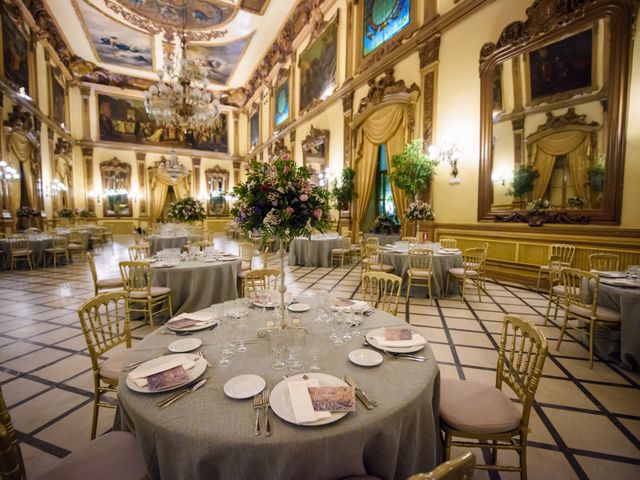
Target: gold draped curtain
column 576, row 146
column 160, row 183
column 22, row 156
column 386, row 126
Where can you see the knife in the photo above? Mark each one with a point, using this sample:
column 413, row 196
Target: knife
column 165, row 403
column 360, row 393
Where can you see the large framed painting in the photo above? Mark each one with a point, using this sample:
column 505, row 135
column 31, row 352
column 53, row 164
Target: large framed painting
column 221, row 60
column 281, row 99
column 124, row 119
column 254, row 128
column 562, row 69
column 318, row 67
column 113, row 42
column 58, row 97
column 16, row 54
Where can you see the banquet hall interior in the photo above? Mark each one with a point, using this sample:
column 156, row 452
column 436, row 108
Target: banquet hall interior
column 256, row 204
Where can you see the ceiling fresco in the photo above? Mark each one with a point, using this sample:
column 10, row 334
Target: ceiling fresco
column 221, row 60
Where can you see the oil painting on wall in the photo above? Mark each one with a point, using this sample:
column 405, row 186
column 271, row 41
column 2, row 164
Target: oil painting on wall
column 124, row 119
column 382, row 20
column 58, row 100
column 318, row 66
column 114, row 42
column 15, row 50
column 282, row 103
column 221, row 60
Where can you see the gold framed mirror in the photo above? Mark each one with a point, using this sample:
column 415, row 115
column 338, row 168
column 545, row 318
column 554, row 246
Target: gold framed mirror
column 315, row 154
column 554, row 92
column 218, row 189
column 116, row 185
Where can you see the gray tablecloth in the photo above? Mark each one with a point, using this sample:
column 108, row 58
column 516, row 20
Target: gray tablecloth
column 384, row 239
column 312, row 253
column 37, row 246
column 209, row 436
column 441, row 265
column 196, row 285
column 158, row 243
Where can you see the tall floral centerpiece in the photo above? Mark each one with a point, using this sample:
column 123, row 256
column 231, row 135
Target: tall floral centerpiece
column 187, row 210
column 279, row 200
column 419, row 211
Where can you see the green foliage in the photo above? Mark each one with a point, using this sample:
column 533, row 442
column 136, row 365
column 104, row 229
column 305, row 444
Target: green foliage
column 412, row 169
column 595, row 175
column 385, row 225
column 86, row 213
column 523, row 180
column 186, row 209
column 65, row 213
column 344, row 193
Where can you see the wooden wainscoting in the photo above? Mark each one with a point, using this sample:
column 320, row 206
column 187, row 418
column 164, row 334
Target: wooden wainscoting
column 216, row 224
column 516, row 251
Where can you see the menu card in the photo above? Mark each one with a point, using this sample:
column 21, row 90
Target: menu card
column 397, row 333
column 333, row 399
column 344, row 302
column 168, row 378
column 184, row 323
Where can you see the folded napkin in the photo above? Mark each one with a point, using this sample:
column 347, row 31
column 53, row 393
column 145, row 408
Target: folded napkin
column 159, row 264
column 416, row 340
column 198, row 317
column 301, row 402
column 139, row 376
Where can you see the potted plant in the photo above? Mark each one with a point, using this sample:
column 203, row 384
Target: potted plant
column 523, row 180
column 187, row 209
column 86, row 213
column 576, row 202
column 412, row 170
column 343, row 194
column 384, row 225
column 25, row 216
column 595, row 177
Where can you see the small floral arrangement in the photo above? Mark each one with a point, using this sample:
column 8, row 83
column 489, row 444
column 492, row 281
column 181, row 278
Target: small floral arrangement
column 576, row 202
column 419, row 210
column 187, row 209
column 85, row 213
column 384, row 224
column 65, row 213
column 27, row 212
column 279, row 200
column 537, row 205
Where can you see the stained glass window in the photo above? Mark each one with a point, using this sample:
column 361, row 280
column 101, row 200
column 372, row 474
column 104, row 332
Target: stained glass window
column 383, row 19
column 255, row 128
column 282, row 103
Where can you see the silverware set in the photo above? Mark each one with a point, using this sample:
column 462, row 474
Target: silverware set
column 368, row 403
column 171, row 332
column 132, row 365
column 398, row 355
column 260, row 404
column 190, row 388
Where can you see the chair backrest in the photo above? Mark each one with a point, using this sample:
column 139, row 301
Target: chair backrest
column 410, row 239
column 359, row 237
column 373, row 242
column 420, row 259
column 448, row 242
column 246, row 250
column 459, row 468
column 92, row 268
column 473, row 259
column 75, row 236
column 564, row 251
column 521, row 355
column 19, row 242
column 60, row 241
column 261, row 279
column 345, row 242
column 604, row 262
column 11, row 463
column 575, row 284
column 105, row 324
column 555, row 267
column 139, row 252
column 382, row 290
column 136, row 277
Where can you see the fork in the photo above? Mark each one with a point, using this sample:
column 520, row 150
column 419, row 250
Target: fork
column 265, row 403
column 257, row 404
column 200, row 354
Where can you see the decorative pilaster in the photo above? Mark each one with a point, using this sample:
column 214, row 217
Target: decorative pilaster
column 85, row 92
column 196, row 162
column 140, row 160
column 87, row 156
column 429, row 59
column 236, row 136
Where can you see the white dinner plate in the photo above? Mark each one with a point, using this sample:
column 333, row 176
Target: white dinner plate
column 193, row 373
column 184, row 345
column 193, row 328
column 280, row 399
column 299, row 307
column 357, row 305
column 227, row 259
column 267, row 305
column 379, row 332
column 244, row 386
column 365, row 357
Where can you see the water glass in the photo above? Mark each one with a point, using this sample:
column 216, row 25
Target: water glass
column 356, row 320
column 296, row 339
column 315, row 348
column 278, row 341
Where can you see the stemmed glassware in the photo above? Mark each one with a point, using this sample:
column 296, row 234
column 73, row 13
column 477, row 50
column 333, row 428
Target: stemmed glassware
column 296, row 339
column 278, row 341
column 356, row 320
column 242, row 329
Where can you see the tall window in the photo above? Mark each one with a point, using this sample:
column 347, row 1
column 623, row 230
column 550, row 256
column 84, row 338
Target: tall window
column 384, row 196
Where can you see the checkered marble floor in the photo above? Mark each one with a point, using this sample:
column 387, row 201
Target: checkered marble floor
column 585, row 423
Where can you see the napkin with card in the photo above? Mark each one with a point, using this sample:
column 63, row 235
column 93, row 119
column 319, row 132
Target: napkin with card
column 185, row 320
column 311, row 402
column 171, row 372
column 400, row 337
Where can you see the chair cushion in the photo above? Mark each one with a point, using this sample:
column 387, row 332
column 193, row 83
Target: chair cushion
column 459, row 272
column 544, row 268
column 476, row 408
column 21, row 252
column 420, row 273
column 110, row 283
column 340, row 250
column 74, row 246
column 603, row 314
column 112, row 366
column 384, row 268
column 113, row 455
column 558, row 290
column 155, row 292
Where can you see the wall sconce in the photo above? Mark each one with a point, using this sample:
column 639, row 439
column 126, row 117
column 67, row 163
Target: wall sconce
column 96, row 195
column 135, row 196
column 446, row 152
column 55, row 187
column 502, row 177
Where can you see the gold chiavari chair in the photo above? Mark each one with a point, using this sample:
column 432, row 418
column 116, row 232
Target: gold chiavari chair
column 58, row 249
column 604, row 262
column 77, row 245
column 105, row 325
column 420, row 272
column 356, row 248
column 382, row 290
column 584, row 308
column 472, row 270
column 142, row 297
column 343, row 252
column 113, row 455
column 97, row 238
column 410, row 239
column 19, row 251
column 556, row 288
column 260, row 279
column 372, row 242
column 246, row 252
column 448, row 242
column 474, row 411
column 459, row 468
column 105, row 283
column 138, row 253
column 107, row 234
column 562, row 250
column 202, row 244
column 373, row 261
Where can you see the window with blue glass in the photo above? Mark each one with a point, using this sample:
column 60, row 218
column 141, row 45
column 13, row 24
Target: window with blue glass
column 383, row 19
column 282, row 103
column 384, row 195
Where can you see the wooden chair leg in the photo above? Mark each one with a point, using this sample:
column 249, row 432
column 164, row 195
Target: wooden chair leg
column 408, row 290
column 539, row 277
column 592, row 327
column 96, row 406
column 523, row 455
column 564, row 327
column 447, row 446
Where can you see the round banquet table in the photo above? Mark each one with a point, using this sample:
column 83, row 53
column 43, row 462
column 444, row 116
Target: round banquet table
column 441, row 265
column 208, row 435
column 158, row 242
column 37, row 244
column 384, row 239
column 196, row 284
column 314, row 252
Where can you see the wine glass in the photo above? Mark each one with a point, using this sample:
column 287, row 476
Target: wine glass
column 356, row 320
column 315, row 348
column 296, row 339
column 278, row 341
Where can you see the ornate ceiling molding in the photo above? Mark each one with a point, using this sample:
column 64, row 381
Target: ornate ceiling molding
column 384, row 87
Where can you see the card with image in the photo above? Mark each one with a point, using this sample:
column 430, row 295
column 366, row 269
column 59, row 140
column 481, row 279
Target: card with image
column 168, row 378
column 184, row 323
column 398, row 334
column 333, row 399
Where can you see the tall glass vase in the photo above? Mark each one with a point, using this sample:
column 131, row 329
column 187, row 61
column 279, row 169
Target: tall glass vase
column 283, row 288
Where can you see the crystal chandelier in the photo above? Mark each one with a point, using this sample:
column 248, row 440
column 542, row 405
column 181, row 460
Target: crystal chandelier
column 173, row 167
column 181, row 98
